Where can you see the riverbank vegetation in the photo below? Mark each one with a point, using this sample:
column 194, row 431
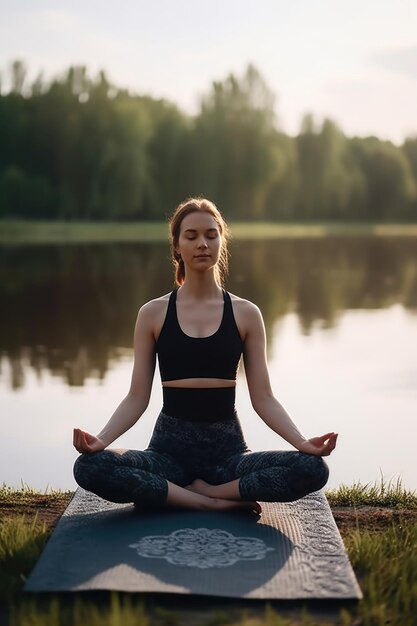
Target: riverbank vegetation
column 380, row 494
column 80, row 148
column 382, row 551
column 28, row 232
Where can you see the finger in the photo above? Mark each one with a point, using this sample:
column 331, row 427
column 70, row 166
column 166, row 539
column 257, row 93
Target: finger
column 79, row 440
column 327, row 436
column 324, row 438
column 85, row 445
column 257, row 508
column 330, row 443
column 328, row 448
column 76, row 438
column 89, row 438
column 330, row 440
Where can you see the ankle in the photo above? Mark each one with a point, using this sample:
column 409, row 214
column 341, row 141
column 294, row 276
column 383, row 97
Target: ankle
column 210, row 491
column 210, row 504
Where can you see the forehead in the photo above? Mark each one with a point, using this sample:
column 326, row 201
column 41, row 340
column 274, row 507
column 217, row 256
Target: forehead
column 198, row 221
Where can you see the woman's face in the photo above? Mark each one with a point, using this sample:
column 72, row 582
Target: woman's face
column 200, row 241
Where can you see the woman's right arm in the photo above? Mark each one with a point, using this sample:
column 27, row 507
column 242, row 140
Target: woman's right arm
column 137, row 399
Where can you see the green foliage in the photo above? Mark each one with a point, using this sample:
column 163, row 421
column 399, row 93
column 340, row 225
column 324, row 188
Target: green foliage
column 121, row 611
column 79, row 148
column 21, row 543
column 382, row 493
column 235, row 138
column 386, row 564
column 10, row 496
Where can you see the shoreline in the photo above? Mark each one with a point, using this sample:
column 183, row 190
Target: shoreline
column 26, row 232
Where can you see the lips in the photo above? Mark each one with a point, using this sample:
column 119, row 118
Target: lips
column 202, row 256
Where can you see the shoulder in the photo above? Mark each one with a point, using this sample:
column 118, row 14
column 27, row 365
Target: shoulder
column 248, row 316
column 154, row 306
column 246, row 307
column 152, row 314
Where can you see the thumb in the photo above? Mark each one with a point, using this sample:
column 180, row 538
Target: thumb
column 325, row 437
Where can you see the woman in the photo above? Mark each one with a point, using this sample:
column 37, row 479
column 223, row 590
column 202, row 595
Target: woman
column 197, row 457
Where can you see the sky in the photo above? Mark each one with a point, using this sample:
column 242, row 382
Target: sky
column 354, row 62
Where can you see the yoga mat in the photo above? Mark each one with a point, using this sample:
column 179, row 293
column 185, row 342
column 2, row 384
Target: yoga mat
column 292, row 551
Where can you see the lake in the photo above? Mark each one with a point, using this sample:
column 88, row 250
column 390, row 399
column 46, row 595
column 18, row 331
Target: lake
column 340, row 315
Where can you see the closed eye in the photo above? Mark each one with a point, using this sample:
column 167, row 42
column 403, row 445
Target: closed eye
column 208, row 237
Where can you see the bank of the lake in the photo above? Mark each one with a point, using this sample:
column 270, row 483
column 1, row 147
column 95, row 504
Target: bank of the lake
column 378, row 524
column 46, row 232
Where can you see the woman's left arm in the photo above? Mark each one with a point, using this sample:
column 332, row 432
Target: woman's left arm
column 261, row 394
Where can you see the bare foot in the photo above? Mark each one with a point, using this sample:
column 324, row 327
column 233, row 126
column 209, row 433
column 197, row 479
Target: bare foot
column 231, row 505
column 199, row 486
column 203, row 488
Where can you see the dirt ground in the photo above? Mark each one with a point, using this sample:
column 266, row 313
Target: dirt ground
column 49, row 509
column 370, row 518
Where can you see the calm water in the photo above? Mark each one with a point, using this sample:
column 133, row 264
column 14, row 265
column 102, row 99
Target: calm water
column 341, row 321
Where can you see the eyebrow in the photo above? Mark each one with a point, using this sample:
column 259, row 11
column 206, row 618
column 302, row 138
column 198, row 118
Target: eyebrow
column 193, row 230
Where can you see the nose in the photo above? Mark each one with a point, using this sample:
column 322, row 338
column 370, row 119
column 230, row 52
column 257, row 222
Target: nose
column 202, row 243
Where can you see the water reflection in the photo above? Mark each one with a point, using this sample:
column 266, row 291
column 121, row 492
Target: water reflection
column 71, row 309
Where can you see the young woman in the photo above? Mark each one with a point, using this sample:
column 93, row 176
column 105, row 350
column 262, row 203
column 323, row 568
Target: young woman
column 197, row 457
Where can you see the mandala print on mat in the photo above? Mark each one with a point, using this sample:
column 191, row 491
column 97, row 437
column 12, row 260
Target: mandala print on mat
column 201, row 547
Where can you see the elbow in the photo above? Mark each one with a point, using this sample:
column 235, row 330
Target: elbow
column 261, row 400
column 139, row 401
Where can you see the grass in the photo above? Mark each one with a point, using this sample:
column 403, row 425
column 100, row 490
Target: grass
column 385, row 563
column 26, row 495
column 42, row 232
column 119, row 612
column 382, row 493
column 34, row 232
column 21, row 543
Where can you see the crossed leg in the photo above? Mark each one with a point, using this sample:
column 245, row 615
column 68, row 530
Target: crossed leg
column 276, row 476
column 147, row 478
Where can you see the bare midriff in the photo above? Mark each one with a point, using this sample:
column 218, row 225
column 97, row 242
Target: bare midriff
column 189, row 383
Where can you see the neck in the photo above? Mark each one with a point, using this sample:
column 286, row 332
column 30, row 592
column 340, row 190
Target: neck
column 200, row 287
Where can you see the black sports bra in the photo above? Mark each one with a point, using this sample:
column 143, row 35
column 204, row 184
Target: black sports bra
column 216, row 356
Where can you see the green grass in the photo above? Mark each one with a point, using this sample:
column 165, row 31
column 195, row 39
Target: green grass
column 272, row 230
column 386, row 565
column 382, row 493
column 384, row 561
column 21, row 543
column 32, row 232
column 120, row 612
column 26, row 495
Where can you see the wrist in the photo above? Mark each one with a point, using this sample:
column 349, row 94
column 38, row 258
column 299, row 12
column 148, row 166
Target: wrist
column 104, row 440
column 301, row 443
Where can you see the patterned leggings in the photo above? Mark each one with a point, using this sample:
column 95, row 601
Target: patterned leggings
column 180, row 451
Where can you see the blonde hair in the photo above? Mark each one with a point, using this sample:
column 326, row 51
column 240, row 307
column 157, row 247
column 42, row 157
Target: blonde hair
column 193, row 205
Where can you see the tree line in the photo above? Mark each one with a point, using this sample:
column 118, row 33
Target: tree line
column 79, row 148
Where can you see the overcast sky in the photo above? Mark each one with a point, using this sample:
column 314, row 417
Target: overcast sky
column 355, row 62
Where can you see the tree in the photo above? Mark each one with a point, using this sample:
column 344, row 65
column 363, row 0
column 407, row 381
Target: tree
column 389, row 180
column 18, row 76
column 233, row 139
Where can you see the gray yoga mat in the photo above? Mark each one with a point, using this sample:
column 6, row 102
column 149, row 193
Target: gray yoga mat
column 292, row 551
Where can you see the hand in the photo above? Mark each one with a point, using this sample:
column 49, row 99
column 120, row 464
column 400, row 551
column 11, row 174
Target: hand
column 320, row 446
column 84, row 442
